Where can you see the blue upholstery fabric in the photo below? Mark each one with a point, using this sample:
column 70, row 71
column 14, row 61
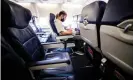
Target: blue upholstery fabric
column 20, row 34
column 52, row 23
column 21, row 37
column 93, row 12
column 122, row 10
column 13, row 67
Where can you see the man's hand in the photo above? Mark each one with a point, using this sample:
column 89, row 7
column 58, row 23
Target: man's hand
column 70, row 30
column 66, row 32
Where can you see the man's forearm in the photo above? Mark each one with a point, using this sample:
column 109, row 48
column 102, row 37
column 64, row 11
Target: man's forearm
column 66, row 32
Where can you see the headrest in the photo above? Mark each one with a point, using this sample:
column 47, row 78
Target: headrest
column 52, row 17
column 93, row 12
column 17, row 15
column 118, row 11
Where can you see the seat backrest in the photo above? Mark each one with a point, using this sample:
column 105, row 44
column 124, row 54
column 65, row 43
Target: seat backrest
column 13, row 67
column 93, row 12
column 33, row 24
column 19, row 34
column 114, row 15
column 52, row 23
column 116, row 43
column 89, row 29
column 92, row 15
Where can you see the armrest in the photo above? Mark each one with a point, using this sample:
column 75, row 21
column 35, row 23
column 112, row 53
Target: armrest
column 48, row 64
column 57, row 45
column 51, row 43
column 64, row 37
column 41, row 33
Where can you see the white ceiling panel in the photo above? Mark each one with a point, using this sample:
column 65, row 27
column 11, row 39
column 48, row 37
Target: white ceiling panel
column 38, row 1
column 82, row 2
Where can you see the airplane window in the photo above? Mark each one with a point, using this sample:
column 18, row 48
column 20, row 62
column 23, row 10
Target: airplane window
column 70, row 23
column 44, row 5
column 76, row 20
column 25, row 4
column 44, row 23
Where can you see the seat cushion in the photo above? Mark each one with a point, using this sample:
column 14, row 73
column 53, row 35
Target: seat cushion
column 57, row 55
column 59, row 78
column 60, row 50
column 59, row 71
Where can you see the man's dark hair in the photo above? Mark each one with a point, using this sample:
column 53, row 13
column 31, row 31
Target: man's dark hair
column 62, row 13
column 57, row 16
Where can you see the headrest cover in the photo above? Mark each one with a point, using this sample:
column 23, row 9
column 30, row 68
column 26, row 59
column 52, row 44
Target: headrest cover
column 92, row 12
column 52, row 17
column 19, row 16
column 118, row 11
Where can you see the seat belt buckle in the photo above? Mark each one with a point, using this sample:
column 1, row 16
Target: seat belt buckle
column 102, row 66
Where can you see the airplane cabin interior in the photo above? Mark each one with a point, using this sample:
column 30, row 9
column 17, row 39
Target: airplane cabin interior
column 67, row 40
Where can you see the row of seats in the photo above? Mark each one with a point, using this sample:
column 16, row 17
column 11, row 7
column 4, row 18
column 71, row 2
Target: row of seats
column 107, row 28
column 22, row 40
column 116, row 34
column 18, row 33
column 98, row 29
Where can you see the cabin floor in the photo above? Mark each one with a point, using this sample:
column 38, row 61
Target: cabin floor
column 80, row 63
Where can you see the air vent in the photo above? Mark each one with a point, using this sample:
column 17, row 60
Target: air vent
column 68, row 0
column 15, row 0
column 44, row 0
column 18, row 0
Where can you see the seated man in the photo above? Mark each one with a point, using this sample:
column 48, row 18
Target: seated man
column 58, row 23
